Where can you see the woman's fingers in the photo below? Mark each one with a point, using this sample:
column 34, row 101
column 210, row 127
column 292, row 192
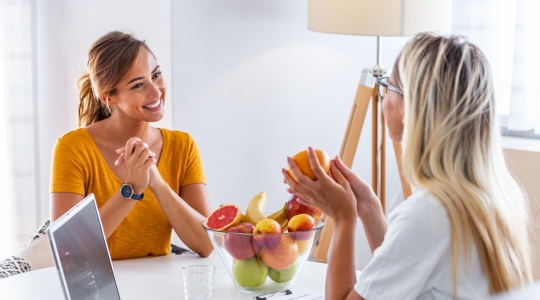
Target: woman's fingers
column 130, row 145
column 302, row 201
column 120, row 160
column 294, row 187
column 138, row 151
column 315, row 165
column 296, row 172
column 338, row 176
column 343, row 168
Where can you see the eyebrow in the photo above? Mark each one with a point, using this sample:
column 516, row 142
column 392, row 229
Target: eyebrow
column 139, row 78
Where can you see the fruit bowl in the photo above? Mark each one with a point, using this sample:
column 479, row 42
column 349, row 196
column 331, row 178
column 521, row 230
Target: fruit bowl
column 262, row 263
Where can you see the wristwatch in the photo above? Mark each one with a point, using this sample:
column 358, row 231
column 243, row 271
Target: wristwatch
column 126, row 190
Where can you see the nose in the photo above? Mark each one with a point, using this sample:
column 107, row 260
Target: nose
column 155, row 91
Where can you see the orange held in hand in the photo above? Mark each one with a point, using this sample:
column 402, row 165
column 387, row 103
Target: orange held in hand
column 302, row 161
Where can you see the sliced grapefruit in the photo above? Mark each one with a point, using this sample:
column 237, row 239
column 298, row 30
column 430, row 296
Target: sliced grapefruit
column 224, row 217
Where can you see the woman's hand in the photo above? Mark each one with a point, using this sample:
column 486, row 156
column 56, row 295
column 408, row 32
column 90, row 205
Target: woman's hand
column 333, row 195
column 366, row 200
column 138, row 160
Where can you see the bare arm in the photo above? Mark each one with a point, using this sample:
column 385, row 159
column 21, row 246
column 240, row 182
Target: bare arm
column 185, row 212
column 368, row 207
column 341, row 274
column 112, row 213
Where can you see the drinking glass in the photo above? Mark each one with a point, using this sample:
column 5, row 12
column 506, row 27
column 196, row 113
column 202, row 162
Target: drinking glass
column 198, row 282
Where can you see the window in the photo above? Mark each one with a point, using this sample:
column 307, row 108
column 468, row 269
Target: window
column 508, row 33
column 18, row 204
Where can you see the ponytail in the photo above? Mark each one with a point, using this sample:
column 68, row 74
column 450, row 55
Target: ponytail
column 91, row 108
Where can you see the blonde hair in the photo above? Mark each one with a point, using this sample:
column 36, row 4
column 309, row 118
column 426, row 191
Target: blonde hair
column 110, row 58
column 451, row 143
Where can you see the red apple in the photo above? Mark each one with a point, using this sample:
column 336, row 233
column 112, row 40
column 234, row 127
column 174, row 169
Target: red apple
column 267, row 233
column 301, row 222
column 239, row 242
column 295, row 208
column 281, row 256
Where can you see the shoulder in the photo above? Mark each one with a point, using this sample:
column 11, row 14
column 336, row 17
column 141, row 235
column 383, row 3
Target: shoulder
column 421, row 214
column 176, row 137
column 420, row 204
column 77, row 135
column 75, row 139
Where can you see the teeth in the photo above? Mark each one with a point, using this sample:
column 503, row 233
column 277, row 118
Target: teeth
column 153, row 105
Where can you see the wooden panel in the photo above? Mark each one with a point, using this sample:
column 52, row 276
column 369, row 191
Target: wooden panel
column 525, row 167
column 348, row 150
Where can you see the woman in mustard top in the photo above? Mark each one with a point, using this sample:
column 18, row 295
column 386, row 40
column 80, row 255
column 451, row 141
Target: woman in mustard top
column 146, row 180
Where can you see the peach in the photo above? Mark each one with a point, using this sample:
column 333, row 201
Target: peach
column 301, row 222
column 281, row 256
column 267, row 233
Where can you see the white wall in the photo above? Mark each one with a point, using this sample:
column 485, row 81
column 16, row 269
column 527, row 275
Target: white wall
column 253, row 86
column 66, row 30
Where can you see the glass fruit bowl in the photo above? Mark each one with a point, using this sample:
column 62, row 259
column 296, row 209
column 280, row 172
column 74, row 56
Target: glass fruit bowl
column 262, row 263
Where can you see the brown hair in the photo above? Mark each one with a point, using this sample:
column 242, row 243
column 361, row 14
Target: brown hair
column 110, row 58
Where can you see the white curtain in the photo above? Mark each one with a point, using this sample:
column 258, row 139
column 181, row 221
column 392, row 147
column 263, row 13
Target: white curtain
column 18, row 205
column 508, row 32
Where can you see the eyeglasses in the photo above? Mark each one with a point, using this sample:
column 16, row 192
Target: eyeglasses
column 384, row 86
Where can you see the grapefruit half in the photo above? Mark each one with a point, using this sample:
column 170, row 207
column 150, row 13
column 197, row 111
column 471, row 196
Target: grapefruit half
column 224, row 217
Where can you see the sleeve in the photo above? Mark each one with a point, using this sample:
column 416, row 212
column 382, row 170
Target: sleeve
column 418, row 237
column 67, row 172
column 194, row 169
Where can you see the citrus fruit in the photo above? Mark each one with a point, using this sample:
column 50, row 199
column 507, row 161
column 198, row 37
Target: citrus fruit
column 224, row 217
column 302, row 161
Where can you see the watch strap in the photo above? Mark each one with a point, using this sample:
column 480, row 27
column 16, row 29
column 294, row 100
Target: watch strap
column 137, row 197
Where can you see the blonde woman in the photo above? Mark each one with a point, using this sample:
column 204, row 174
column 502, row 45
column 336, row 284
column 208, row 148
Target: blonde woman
column 463, row 232
column 146, row 180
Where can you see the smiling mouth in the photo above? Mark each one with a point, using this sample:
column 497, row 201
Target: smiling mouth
column 153, row 105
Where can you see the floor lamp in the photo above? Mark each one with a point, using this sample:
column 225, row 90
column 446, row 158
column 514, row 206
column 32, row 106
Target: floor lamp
column 373, row 18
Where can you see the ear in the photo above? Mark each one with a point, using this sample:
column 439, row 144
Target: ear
column 107, row 99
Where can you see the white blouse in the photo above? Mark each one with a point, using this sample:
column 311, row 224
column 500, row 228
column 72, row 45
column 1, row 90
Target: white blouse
column 414, row 260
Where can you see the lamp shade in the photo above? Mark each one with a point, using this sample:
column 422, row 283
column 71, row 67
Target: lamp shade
column 379, row 17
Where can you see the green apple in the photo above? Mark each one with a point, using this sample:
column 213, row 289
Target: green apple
column 249, row 272
column 283, row 275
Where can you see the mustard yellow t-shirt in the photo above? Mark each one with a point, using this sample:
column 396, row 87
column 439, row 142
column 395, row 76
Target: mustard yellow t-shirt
column 78, row 167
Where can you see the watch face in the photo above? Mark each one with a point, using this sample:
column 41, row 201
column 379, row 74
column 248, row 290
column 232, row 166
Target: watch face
column 126, row 191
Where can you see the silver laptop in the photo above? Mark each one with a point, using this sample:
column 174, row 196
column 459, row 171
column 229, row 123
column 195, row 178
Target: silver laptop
column 81, row 253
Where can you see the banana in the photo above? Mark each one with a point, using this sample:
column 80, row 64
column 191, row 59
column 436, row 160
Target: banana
column 243, row 218
column 255, row 208
column 285, row 227
column 280, row 216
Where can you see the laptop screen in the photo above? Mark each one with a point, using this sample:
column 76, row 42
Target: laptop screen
column 81, row 254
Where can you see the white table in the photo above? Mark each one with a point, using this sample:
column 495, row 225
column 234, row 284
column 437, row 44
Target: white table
column 150, row 278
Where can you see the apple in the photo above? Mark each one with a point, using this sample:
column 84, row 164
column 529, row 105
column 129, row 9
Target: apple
column 281, row 276
column 301, row 222
column 267, row 233
column 249, row 272
column 239, row 242
column 281, row 256
column 295, row 208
